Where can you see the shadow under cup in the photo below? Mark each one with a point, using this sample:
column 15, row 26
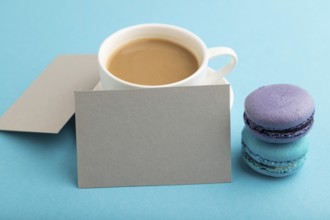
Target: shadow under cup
column 166, row 32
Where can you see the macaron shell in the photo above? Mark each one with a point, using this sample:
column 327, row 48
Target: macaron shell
column 275, row 152
column 279, row 106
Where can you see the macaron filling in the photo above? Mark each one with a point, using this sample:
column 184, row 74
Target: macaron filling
column 268, row 167
column 295, row 131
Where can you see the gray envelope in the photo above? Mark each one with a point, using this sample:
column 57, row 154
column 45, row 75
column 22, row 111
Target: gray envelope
column 48, row 103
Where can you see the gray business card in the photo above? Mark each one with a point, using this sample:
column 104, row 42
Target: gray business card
column 164, row 136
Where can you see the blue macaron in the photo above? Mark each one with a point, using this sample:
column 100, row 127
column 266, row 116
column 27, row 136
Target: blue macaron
column 279, row 113
column 271, row 159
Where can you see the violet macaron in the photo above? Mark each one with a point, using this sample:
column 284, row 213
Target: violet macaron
column 279, row 113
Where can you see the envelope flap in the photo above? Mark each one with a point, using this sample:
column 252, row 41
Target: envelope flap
column 48, row 103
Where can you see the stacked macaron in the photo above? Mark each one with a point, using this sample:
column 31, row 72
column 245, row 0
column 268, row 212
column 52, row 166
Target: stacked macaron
column 277, row 118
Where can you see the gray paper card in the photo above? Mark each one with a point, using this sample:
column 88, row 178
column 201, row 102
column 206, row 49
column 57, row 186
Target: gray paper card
column 49, row 102
column 165, row 136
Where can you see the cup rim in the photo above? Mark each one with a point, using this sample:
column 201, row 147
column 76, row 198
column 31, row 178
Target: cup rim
column 203, row 64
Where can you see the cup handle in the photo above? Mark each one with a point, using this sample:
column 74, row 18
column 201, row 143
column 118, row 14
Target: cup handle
column 223, row 51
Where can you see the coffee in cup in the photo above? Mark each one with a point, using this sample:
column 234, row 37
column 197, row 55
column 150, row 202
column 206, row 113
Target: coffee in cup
column 152, row 61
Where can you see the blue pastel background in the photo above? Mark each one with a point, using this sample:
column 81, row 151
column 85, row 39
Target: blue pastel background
column 276, row 41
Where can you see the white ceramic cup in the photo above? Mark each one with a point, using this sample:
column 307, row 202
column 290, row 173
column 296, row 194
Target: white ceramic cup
column 175, row 34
